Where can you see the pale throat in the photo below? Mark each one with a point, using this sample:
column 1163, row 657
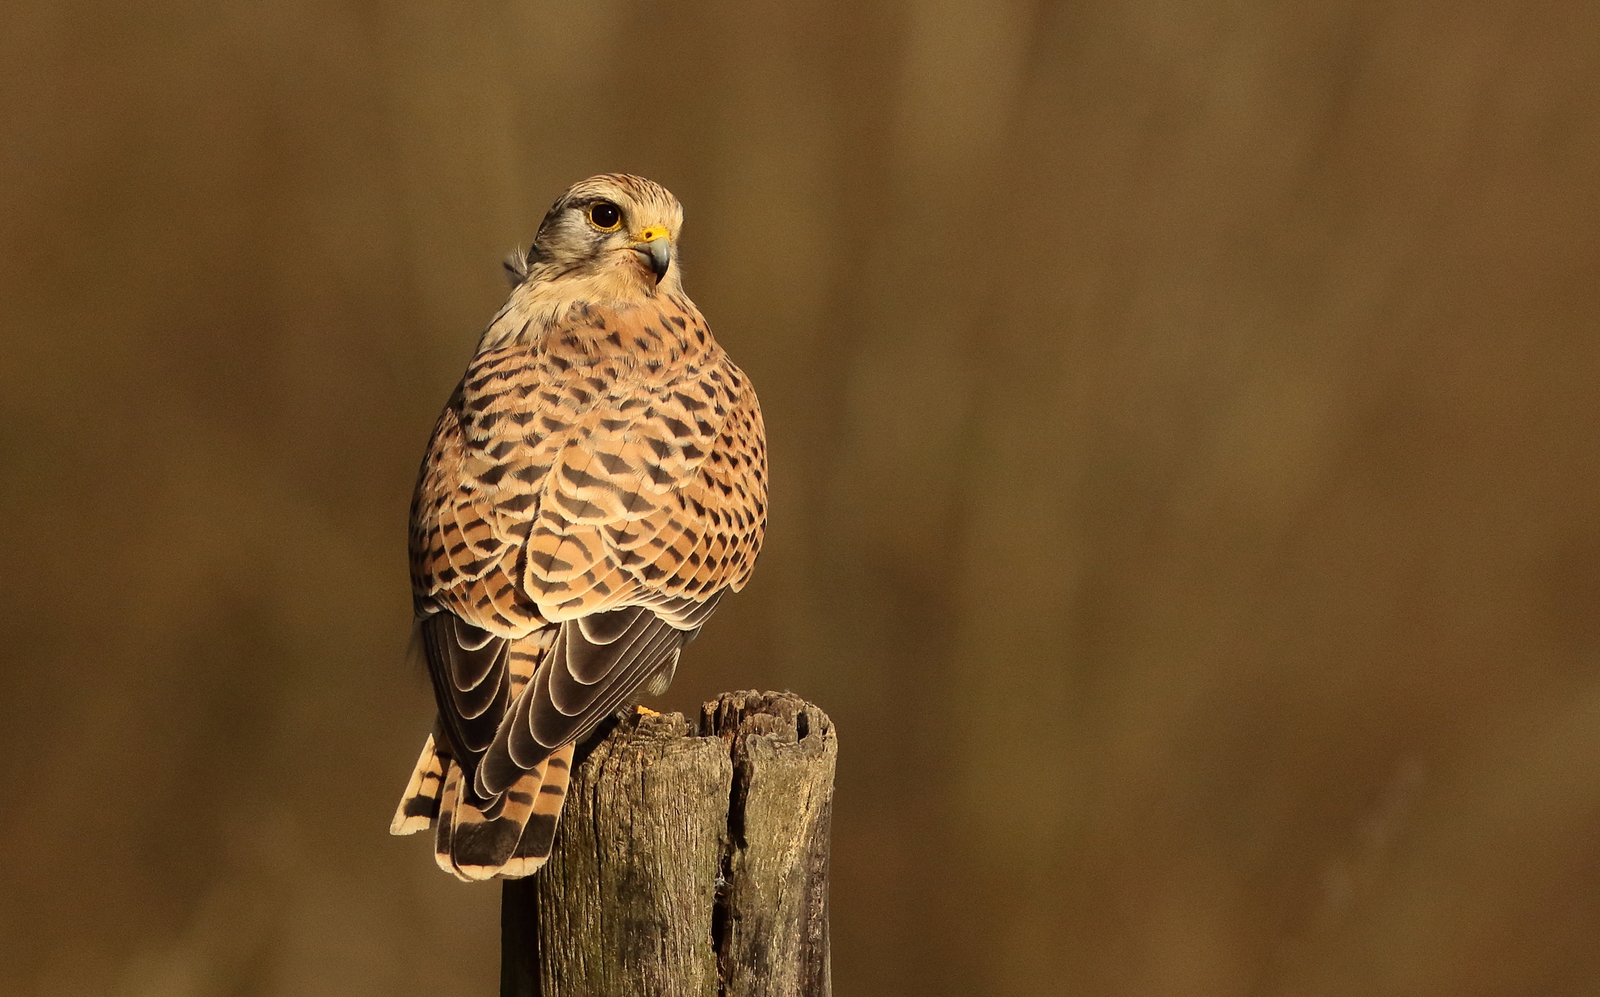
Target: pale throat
column 612, row 314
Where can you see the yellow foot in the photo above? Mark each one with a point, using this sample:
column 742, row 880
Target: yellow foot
column 645, row 711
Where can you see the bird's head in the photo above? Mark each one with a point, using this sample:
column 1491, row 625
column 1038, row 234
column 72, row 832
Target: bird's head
column 615, row 232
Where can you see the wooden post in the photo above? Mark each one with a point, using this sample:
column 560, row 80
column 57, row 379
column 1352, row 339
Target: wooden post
column 692, row 860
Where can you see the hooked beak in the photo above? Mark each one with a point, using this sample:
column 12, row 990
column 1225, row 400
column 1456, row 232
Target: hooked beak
column 654, row 248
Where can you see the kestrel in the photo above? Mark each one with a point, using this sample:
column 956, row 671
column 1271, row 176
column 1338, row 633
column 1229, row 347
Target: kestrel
column 594, row 485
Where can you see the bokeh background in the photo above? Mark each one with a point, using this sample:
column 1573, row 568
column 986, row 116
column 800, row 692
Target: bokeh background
column 1183, row 427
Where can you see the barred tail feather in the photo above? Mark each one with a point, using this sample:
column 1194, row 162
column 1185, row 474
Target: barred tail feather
column 444, row 825
column 512, row 838
column 420, row 802
column 533, row 850
column 484, row 841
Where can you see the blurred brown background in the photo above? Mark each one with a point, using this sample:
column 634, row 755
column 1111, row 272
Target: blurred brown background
column 1183, row 424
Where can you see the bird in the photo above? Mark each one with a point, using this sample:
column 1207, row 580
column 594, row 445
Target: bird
column 596, row 483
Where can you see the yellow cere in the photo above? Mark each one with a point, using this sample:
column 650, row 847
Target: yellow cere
column 652, row 233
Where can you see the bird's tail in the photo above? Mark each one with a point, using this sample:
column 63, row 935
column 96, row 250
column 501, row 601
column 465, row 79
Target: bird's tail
column 510, row 838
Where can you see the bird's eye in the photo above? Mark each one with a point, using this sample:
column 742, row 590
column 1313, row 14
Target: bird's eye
column 605, row 215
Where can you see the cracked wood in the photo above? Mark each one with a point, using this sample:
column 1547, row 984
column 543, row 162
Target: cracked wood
column 693, row 861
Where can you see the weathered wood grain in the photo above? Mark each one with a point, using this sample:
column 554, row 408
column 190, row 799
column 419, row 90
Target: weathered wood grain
column 690, row 861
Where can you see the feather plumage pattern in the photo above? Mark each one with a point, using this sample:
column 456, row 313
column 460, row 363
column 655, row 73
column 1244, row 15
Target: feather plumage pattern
column 593, row 487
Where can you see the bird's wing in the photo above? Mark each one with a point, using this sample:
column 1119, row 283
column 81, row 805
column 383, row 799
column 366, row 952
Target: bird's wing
column 471, row 514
